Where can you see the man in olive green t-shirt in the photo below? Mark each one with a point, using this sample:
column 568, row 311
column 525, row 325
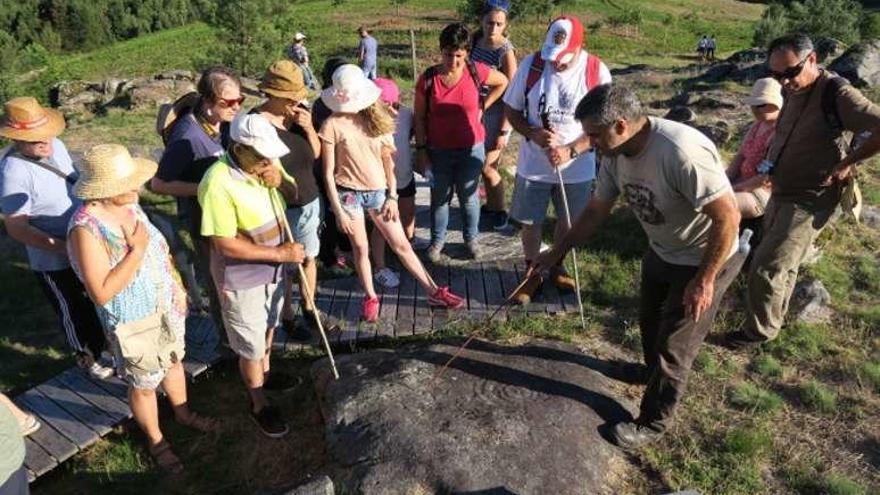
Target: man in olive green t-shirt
column 672, row 178
column 811, row 164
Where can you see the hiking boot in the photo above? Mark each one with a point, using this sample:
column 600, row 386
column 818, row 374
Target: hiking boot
column 296, row 331
column 531, row 288
column 474, row 251
column 387, row 278
column 739, row 340
column 434, row 252
column 561, row 279
column 270, row 422
column 444, row 298
column 370, row 309
column 631, row 435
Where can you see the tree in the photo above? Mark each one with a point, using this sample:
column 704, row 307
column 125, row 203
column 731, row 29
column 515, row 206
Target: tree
column 251, row 33
column 837, row 19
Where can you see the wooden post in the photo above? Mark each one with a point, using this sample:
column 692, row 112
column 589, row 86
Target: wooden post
column 412, row 40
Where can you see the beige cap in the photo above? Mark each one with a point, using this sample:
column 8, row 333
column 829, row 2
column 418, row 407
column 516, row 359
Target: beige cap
column 765, row 91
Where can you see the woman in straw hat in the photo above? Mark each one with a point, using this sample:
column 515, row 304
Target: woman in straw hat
column 358, row 145
column 124, row 263
column 36, row 196
column 286, row 108
column 751, row 183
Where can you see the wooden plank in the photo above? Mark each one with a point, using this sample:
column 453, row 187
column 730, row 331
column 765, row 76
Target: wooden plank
column 109, row 404
column 84, row 411
column 52, row 414
column 494, row 289
column 439, row 316
column 345, row 304
column 568, row 297
column 279, row 339
column 422, row 310
column 388, row 312
column 458, row 285
column 193, row 368
column 476, row 289
column 114, row 385
column 406, row 305
column 49, row 439
column 509, row 282
column 37, row 460
column 551, row 298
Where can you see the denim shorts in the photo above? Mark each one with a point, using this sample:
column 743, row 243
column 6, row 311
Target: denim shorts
column 355, row 202
column 304, row 222
column 531, row 198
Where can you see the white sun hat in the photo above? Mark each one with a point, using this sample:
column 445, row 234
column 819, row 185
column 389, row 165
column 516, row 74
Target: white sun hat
column 351, row 91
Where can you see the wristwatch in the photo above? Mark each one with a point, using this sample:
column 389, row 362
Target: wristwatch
column 392, row 196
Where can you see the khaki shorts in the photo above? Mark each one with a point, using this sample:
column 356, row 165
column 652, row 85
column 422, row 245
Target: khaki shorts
column 248, row 314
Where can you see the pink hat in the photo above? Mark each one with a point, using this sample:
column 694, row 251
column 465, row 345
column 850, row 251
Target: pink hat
column 390, row 91
column 564, row 38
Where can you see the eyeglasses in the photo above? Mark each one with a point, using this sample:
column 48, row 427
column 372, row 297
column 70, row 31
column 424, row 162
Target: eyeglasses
column 791, row 72
column 224, row 102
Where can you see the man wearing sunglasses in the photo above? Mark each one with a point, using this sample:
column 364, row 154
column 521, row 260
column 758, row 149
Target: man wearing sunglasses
column 811, row 162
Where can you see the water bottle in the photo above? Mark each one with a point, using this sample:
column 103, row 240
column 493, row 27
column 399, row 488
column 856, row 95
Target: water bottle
column 744, row 246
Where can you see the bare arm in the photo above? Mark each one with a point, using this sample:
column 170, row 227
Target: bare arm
column 508, row 68
column 175, row 188
column 497, row 83
column 103, row 282
column 22, row 231
column 540, row 136
column 329, row 159
column 700, row 291
column 388, row 166
column 243, row 249
column 420, row 131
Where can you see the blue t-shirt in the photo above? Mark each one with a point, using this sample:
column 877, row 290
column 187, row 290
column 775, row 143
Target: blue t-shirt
column 190, row 152
column 369, row 45
column 46, row 198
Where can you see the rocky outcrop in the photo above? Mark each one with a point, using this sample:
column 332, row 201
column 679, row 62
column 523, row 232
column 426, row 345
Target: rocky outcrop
column 83, row 98
column 811, row 301
column 860, row 64
column 746, row 67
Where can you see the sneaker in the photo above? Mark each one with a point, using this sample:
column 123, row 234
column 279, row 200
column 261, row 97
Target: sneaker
column 270, row 422
column 500, row 222
column 443, row 297
column 99, row 372
column 561, row 279
column 387, row 278
column 434, row 252
column 525, row 293
column 474, row 251
column 370, row 309
column 296, row 331
column 29, row 425
column 278, row 381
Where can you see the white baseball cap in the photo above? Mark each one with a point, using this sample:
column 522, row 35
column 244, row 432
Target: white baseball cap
column 565, row 36
column 299, row 36
column 254, row 130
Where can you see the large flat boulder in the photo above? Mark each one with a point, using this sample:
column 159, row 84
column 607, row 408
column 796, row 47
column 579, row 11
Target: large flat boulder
column 520, row 419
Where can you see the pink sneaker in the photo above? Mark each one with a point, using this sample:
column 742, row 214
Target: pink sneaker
column 445, row 298
column 370, row 309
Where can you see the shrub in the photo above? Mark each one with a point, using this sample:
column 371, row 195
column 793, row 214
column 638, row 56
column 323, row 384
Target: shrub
column 818, row 397
column 748, row 442
column 752, row 397
column 838, row 19
column 766, row 365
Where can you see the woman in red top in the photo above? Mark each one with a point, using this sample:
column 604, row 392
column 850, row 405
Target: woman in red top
column 449, row 134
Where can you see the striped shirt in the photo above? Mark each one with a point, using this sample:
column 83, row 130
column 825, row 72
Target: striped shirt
column 490, row 56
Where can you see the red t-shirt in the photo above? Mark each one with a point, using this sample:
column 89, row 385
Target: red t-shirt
column 454, row 113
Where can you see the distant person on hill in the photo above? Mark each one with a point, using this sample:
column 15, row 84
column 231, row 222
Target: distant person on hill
column 298, row 53
column 811, row 165
column 359, row 172
column 195, row 142
column 541, row 103
column 492, row 47
column 286, row 109
column 450, row 136
column 751, row 185
column 335, row 249
column 710, row 48
column 671, row 176
column 368, row 49
column 242, row 215
column 702, row 47
column 126, row 268
column 37, row 200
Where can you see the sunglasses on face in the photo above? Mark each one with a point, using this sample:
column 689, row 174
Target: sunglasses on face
column 791, row 72
column 228, row 103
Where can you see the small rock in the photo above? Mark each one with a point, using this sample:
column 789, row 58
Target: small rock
column 177, row 75
column 871, row 216
column 829, row 49
column 320, row 486
column 719, row 132
column 860, row 64
column 250, row 86
column 681, row 114
column 152, row 93
column 812, row 300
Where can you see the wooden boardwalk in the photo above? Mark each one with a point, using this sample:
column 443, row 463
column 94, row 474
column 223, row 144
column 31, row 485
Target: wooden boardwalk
column 76, row 410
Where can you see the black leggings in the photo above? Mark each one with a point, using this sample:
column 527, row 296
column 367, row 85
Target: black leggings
column 75, row 311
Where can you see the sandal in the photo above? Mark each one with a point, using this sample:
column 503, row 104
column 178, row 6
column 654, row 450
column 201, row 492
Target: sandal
column 201, row 423
column 166, row 458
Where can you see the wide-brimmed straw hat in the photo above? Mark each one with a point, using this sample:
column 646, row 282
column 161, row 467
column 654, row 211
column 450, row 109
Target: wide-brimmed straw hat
column 765, row 91
column 351, row 91
column 284, row 79
column 26, row 120
column 108, row 170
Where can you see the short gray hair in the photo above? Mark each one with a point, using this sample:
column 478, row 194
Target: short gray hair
column 608, row 103
column 799, row 43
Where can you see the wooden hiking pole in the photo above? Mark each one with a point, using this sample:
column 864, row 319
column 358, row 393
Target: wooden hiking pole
column 309, row 294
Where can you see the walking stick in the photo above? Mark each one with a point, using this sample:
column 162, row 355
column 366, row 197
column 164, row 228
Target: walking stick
column 483, row 326
column 310, row 296
column 577, row 277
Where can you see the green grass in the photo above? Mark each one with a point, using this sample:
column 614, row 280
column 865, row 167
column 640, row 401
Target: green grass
column 870, row 373
column 818, row 397
column 750, row 397
column 766, row 366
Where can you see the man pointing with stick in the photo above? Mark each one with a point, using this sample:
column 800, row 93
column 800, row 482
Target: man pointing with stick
column 672, row 177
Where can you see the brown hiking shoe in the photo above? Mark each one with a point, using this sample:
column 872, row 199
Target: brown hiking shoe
column 561, row 279
column 525, row 293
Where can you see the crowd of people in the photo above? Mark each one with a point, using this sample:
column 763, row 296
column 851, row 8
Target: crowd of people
column 289, row 182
